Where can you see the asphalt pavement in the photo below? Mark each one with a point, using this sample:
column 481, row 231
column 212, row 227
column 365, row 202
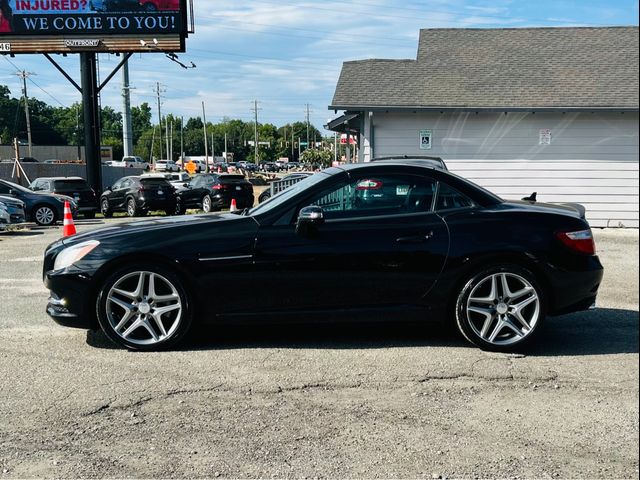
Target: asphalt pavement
column 333, row 401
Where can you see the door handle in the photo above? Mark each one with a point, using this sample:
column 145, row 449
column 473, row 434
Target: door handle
column 415, row 238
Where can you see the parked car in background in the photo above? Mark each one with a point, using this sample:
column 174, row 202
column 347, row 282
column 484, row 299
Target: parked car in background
column 43, row 208
column 137, row 196
column 131, row 162
column 178, row 180
column 248, row 166
column 166, row 166
column 211, row 192
column 15, row 209
column 5, row 218
column 269, row 167
column 424, row 245
column 74, row 187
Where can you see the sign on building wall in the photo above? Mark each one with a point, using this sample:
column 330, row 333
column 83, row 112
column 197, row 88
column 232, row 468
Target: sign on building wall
column 425, row 139
column 545, row 136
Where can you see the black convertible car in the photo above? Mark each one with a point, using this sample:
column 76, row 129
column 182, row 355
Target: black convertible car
column 394, row 240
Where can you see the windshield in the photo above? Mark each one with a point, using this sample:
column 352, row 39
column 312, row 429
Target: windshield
column 290, row 192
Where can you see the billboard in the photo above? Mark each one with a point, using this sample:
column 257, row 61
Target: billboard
column 62, row 26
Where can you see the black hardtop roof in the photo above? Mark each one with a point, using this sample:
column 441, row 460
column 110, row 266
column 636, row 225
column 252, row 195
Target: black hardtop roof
column 430, row 163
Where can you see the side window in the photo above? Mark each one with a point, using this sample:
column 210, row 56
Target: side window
column 126, row 183
column 196, row 182
column 45, row 186
column 449, row 198
column 378, row 195
column 117, row 185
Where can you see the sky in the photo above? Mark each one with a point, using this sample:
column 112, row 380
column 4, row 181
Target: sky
column 287, row 54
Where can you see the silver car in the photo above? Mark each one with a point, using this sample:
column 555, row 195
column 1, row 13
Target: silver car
column 15, row 208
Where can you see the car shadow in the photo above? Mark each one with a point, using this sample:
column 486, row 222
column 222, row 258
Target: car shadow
column 596, row 332
column 602, row 331
column 20, row 233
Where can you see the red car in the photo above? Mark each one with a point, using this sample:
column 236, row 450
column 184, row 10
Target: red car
column 154, row 5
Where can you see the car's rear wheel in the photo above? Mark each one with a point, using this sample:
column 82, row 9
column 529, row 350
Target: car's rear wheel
column 144, row 307
column 207, row 204
column 132, row 208
column 501, row 308
column 44, row 215
column 104, row 208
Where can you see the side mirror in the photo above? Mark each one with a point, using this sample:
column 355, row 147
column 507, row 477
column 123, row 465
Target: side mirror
column 309, row 219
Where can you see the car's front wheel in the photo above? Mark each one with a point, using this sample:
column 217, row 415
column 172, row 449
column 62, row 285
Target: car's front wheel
column 44, row 215
column 501, row 308
column 144, row 307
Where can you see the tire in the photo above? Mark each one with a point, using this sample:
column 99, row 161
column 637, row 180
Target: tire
column 44, row 215
column 90, row 215
column 137, row 316
column 501, row 318
column 264, row 196
column 104, row 208
column 207, row 204
column 132, row 208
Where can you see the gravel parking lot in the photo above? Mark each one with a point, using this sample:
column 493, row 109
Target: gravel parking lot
column 331, row 401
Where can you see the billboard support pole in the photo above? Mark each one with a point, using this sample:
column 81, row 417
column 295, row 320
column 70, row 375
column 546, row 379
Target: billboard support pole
column 89, row 77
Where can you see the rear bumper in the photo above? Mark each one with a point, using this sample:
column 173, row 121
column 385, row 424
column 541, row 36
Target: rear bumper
column 157, row 204
column 575, row 289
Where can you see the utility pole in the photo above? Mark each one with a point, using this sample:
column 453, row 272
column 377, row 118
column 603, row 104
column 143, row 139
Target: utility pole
column 293, row 152
column 226, row 152
column 255, row 137
column 158, row 97
column 206, row 145
column 182, row 140
column 24, row 75
column 308, row 125
column 127, row 130
column 166, row 128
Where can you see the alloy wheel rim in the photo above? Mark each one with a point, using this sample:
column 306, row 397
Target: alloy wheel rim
column 44, row 215
column 206, row 204
column 105, row 207
column 503, row 308
column 144, row 308
column 131, row 208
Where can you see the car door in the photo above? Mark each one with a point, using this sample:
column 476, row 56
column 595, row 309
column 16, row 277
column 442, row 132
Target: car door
column 190, row 195
column 381, row 245
column 116, row 198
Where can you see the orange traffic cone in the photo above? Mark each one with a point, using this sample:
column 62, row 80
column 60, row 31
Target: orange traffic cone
column 234, row 205
column 68, row 227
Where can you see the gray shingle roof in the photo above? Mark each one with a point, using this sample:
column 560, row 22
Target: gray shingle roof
column 568, row 67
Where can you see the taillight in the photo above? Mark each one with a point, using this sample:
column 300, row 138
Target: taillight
column 217, row 186
column 580, row 241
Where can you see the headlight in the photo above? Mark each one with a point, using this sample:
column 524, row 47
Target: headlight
column 73, row 254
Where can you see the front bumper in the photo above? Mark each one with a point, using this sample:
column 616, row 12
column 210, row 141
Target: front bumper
column 69, row 304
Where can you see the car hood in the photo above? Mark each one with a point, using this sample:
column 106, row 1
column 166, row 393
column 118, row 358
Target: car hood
column 7, row 200
column 572, row 209
column 175, row 227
